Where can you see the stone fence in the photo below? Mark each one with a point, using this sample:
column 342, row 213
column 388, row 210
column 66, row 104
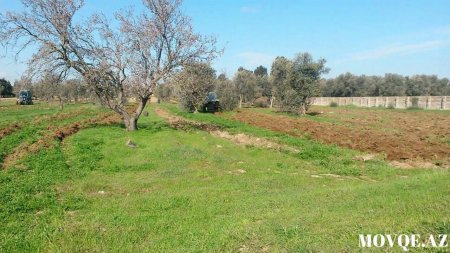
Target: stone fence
column 424, row 102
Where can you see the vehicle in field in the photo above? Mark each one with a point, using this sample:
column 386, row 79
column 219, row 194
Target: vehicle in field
column 212, row 103
column 25, row 98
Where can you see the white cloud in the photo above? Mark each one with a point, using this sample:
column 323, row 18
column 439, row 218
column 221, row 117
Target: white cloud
column 249, row 9
column 399, row 49
column 254, row 59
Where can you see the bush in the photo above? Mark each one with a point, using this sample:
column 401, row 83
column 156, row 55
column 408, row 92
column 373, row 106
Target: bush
column 334, row 104
column 391, row 106
column 414, row 103
column 262, row 102
column 227, row 95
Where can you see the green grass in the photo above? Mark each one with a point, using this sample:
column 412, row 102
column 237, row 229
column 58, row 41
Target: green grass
column 184, row 191
column 35, row 121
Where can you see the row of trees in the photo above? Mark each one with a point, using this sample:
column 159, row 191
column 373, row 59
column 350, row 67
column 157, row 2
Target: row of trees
column 348, row 85
column 292, row 82
column 50, row 88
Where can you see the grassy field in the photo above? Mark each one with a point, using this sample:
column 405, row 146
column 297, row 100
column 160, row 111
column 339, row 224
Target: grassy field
column 188, row 191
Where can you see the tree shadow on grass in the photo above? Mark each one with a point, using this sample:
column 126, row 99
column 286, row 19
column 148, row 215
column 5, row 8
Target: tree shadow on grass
column 152, row 127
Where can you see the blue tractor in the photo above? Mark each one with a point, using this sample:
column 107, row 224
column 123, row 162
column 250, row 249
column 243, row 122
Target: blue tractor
column 25, row 98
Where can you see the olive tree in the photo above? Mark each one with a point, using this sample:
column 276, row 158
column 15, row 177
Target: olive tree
column 6, row 89
column 278, row 79
column 227, row 93
column 193, row 85
column 245, row 83
column 297, row 81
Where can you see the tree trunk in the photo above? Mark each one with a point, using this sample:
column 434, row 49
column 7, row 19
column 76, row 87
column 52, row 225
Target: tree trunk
column 271, row 101
column 240, row 101
column 130, row 121
column 61, row 104
column 303, row 109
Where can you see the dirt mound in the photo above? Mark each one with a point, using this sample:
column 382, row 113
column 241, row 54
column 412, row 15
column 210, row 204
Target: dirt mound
column 9, row 129
column 397, row 145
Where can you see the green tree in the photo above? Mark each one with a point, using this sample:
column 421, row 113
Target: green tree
column 278, row 76
column 303, row 82
column 227, row 93
column 245, row 83
column 260, row 71
column 6, row 89
column 193, row 84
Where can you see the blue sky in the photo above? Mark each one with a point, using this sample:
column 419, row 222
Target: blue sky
column 357, row 36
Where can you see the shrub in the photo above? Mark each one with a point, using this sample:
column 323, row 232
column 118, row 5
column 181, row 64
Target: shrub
column 334, row 104
column 262, row 102
column 227, row 95
column 414, row 103
column 391, row 106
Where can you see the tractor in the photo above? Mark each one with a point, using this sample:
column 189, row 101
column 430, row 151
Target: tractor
column 25, row 98
column 212, row 103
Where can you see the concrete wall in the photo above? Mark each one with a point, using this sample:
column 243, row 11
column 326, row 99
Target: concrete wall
column 425, row 102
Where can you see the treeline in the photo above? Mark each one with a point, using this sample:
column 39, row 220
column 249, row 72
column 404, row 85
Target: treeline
column 50, row 88
column 291, row 84
column 349, row 85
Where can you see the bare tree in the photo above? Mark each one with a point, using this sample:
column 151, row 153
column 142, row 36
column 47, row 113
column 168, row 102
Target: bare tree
column 116, row 64
column 161, row 42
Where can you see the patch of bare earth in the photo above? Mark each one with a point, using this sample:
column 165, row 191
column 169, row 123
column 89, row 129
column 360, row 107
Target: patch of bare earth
column 240, row 139
column 402, row 144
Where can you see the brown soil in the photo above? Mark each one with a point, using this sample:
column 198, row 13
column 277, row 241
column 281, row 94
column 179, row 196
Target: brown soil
column 9, row 130
column 184, row 124
column 399, row 139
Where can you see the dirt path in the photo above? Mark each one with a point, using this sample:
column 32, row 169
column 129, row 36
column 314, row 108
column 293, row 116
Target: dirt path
column 400, row 145
column 239, row 139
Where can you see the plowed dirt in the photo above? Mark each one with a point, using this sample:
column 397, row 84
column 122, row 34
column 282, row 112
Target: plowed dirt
column 400, row 136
